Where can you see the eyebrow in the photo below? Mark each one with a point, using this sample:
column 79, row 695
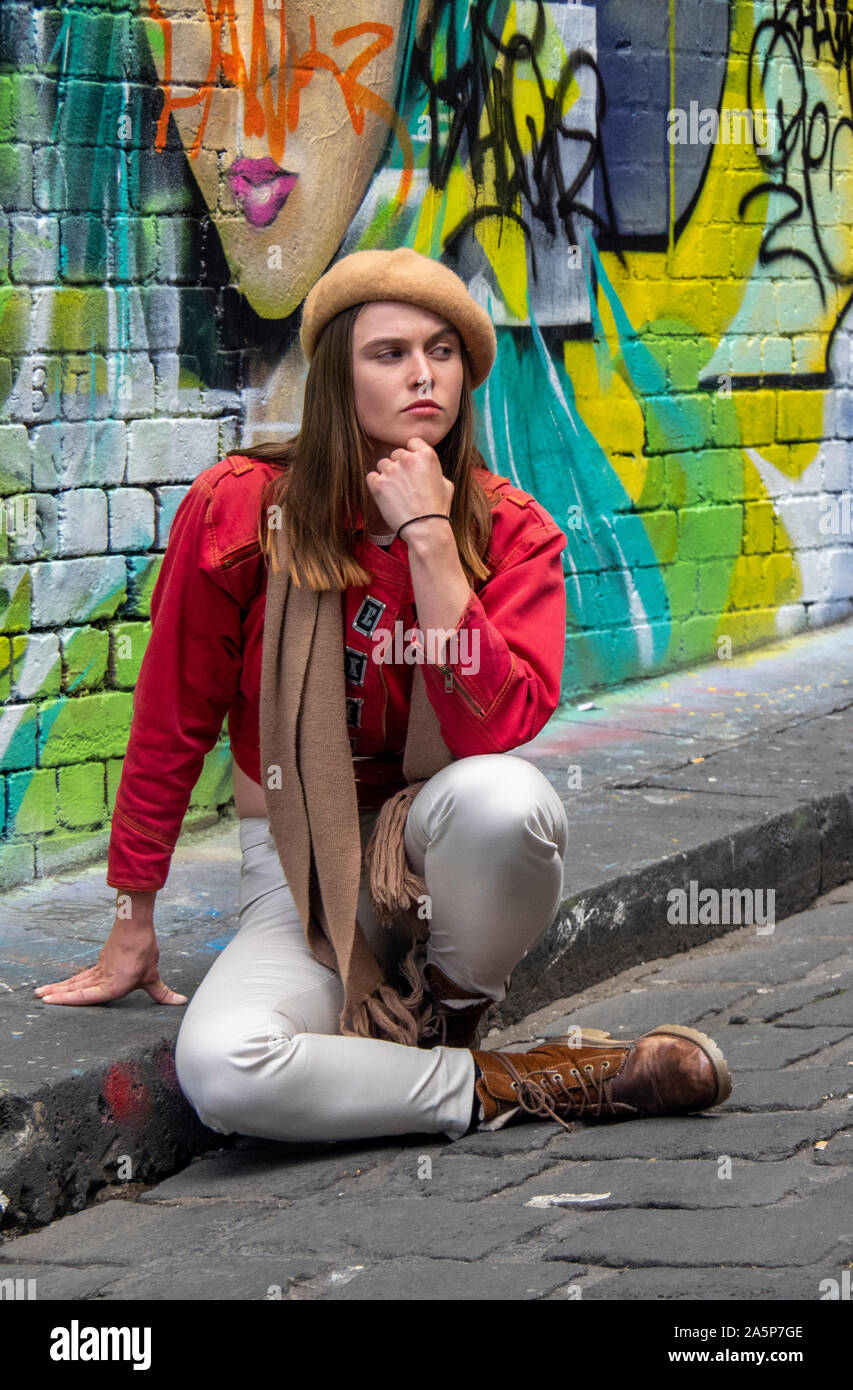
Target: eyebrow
column 439, row 333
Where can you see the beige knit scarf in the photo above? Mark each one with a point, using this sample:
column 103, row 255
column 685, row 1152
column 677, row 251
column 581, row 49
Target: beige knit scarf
column 309, row 785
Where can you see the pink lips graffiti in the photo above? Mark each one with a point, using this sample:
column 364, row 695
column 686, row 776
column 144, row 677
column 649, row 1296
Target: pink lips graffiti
column 262, row 187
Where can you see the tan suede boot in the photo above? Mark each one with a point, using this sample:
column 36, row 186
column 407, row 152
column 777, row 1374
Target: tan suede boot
column 671, row 1070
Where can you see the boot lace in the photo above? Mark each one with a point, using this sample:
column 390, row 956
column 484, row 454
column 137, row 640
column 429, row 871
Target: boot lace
column 436, row 1028
column 444, row 1025
column 551, row 1097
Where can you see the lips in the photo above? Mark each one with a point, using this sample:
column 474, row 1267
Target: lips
column 420, row 405
column 262, row 187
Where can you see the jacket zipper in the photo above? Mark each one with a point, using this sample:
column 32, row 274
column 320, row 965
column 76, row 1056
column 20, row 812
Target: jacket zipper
column 451, row 685
column 455, row 687
column 238, row 554
column 384, row 702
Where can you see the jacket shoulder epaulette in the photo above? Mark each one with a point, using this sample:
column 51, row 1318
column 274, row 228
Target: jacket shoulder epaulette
column 232, row 516
column 208, row 478
column 233, row 465
column 496, row 482
column 525, row 520
column 514, row 494
column 241, row 463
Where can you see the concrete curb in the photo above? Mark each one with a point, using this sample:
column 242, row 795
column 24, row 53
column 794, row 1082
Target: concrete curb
column 68, row 1141
column 800, row 854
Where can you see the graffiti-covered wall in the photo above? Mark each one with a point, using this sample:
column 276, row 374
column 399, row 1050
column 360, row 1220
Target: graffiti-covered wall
column 653, row 199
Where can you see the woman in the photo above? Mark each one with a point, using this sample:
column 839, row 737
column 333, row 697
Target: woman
column 366, row 786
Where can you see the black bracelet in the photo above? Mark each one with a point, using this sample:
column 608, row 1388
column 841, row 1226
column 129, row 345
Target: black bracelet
column 423, row 518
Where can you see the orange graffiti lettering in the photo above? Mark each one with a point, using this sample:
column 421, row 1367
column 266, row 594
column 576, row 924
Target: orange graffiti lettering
column 278, row 116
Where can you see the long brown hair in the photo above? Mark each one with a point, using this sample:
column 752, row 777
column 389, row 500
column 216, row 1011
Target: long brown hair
column 323, row 469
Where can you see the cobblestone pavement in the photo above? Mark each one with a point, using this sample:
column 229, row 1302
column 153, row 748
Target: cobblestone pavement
column 751, row 1201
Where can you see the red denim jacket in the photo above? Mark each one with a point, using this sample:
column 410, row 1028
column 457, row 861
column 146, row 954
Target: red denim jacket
column 203, row 658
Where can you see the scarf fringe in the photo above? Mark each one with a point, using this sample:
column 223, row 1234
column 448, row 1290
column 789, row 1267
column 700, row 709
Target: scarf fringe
column 394, row 890
column 386, row 1015
column 393, row 886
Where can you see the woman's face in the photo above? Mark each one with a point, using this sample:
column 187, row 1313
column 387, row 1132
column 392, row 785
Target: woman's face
column 284, row 151
column 403, row 355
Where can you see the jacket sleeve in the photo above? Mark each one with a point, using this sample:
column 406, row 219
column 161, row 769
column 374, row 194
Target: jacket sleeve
column 187, row 682
column 502, row 682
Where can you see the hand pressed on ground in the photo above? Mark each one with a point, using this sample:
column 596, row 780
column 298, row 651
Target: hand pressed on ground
column 128, row 961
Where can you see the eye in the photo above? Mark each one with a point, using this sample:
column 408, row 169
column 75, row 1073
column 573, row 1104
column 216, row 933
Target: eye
column 390, row 352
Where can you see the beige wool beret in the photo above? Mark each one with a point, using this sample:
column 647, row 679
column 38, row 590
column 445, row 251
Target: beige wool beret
column 402, row 274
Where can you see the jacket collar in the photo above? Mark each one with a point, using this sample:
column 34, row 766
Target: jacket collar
column 359, row 521
column 393, row 562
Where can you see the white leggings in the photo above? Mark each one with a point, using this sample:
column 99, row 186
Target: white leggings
column 259, row 1051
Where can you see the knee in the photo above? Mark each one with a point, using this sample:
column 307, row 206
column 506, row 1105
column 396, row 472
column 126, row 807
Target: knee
column 507, row 797
column 221, row 1073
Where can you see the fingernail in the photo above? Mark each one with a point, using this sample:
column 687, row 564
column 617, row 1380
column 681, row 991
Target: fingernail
column 47, row 999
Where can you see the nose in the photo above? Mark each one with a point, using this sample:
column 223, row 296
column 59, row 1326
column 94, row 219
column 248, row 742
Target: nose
column 422, row 370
